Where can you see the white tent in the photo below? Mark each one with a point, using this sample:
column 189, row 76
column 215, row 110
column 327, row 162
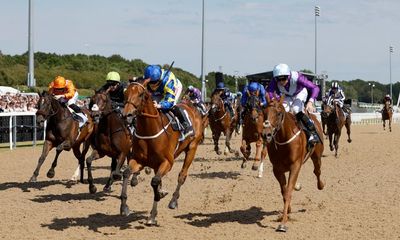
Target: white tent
column 4, row 90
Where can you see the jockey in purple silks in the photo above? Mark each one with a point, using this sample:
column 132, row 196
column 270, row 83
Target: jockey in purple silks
column 194, row 95
column 295, row 88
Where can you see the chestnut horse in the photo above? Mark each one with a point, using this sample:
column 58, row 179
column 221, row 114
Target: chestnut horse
column 287, row 150
column 336, row 119
column 110, row 137
column 387, row 113
column 62, row 132
column 221, row 122
column 252, row 132
column 156, row 145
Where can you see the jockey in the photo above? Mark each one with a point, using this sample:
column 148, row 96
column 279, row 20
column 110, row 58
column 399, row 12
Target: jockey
column 336, row 94
column 194, row 95
column 164, row 87
column 387, row 98
column 226, row 97
column 65, row 91
column 252, row 89
column 295, row 87
column 115, row 89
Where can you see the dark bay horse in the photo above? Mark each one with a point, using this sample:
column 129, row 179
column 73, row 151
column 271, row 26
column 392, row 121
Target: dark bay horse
column 252, row 132
column 221, row 122
column 387, row 113
column 110, row 137
column 287, row 150
column 156, row 145
column 62, row 132
column 336, row 119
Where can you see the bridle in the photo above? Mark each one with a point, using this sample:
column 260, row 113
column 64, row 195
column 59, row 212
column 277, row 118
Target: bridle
column 139, row 108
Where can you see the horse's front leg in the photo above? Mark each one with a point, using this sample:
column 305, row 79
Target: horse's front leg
column 390, row 125
column 93, row 156
column 256, row 163
column 336, row 143
column 243, row 149
column 48, row 145
column 156, row 184
column 189, row 156
column 216, row 136
column 51, row 172
column 331, row 141
column 384, row 121
column 228, row 136
column 348, row 129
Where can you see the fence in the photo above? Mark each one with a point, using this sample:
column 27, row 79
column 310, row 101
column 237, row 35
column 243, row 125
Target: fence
column 19, row 127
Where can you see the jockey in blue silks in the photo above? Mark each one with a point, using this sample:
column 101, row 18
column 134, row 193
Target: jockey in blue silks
column 252, row 89
column 295, row 87
column 226, row 97
column 164, row 87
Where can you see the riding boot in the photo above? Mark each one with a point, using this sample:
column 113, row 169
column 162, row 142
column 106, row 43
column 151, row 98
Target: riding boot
column 184, row 120
column 82, row 118
column 310, row 128
column 230, row 109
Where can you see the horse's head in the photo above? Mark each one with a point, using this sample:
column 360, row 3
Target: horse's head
column 253, row 107
column 135, row 96
column 328, row 109
column 100, row 104
column 46, row 107
column 216, row 103
column 274, row 114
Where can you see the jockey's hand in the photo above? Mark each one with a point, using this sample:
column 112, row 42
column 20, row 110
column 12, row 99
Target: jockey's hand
column 310, row 107
column 58, row 96
column 156, row 105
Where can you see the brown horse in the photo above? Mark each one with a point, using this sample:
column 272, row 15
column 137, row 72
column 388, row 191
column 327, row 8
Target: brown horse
column 336, row 119
column 221, row 122
column 252, row 132
column 287, row 150
column 62, row 132
column 387, row 113
column 110, row 138
column 156, row 145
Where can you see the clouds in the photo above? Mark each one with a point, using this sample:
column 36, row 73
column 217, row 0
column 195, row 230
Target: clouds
column 245, row 36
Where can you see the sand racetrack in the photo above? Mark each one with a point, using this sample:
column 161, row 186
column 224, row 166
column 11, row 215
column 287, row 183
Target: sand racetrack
column 219, row 200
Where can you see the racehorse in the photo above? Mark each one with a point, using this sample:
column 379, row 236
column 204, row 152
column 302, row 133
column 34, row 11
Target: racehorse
column 110, row 138
column 62, row 132
column 156, row 145
column 252, row 132
column 387, row 113
column 287, row 150
column 221, row 122
column 336, row 119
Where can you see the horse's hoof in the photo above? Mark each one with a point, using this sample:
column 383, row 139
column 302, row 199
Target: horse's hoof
column 33, row 179
column 349, row 140
column 50, row 174
column 254, row 167
column 297, row 187
column 331, row 148
column 243, row 165
column 151, row 222
column 163, row 193
column 320, row 185
column 92, row 189
column 147, row 170
column 134, row 181
column 219, row 152
column 107, row 188
column 282, row 228
column 173, row 204
column 124, row 211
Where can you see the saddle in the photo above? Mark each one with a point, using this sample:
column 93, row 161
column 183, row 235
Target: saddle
column 176, row 124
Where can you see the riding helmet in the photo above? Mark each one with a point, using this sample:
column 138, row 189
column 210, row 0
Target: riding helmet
column 60, row 82
column 153, row 72
column 113, row 76
column 281, row 70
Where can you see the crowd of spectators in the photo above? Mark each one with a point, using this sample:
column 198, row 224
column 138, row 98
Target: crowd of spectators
column 18, row 102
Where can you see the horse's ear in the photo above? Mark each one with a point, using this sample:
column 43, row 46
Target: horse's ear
column 267, row 97
column 145, row 82
column 258, row 91
column 282, row 98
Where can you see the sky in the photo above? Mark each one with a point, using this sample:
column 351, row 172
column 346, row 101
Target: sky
column 241, row 37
